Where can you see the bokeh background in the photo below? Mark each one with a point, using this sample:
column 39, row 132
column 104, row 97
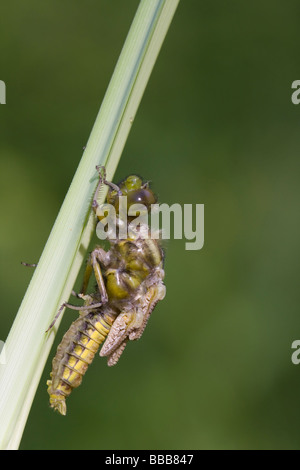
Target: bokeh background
column 216, row 126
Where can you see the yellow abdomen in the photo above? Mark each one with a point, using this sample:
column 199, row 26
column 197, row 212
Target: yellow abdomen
column 74, row 354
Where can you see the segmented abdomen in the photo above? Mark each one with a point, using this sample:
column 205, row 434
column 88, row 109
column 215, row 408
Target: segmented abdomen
column 74, row 354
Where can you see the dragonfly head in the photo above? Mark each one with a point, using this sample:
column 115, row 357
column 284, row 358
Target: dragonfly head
column 136, row 191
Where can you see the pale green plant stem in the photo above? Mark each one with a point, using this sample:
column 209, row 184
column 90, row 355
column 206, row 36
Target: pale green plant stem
column 27, row 346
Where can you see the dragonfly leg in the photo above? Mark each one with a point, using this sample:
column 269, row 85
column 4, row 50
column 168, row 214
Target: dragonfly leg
column 84, row 308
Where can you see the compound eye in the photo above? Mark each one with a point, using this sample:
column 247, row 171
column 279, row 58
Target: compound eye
column 132, row 182
column 141, row 196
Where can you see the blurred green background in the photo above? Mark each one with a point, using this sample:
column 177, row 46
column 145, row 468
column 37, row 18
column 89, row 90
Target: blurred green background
column 216, row 126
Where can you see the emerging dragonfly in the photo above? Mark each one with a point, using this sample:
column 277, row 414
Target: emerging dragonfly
column 129, row 284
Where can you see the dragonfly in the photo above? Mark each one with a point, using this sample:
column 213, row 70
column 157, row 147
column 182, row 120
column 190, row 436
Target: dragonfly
column 129, row 283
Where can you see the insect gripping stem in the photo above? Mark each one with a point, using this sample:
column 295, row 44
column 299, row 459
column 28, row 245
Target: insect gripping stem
column 129, row 284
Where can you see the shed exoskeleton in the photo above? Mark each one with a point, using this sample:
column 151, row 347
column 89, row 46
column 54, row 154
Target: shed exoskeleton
column 129, row 280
